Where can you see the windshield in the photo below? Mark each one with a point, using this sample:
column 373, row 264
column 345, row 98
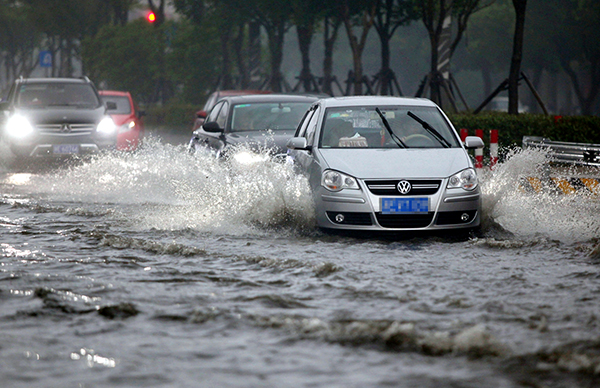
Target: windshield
column 123, row 105
column 33, row 95
column 262, row 116
column 363, row 127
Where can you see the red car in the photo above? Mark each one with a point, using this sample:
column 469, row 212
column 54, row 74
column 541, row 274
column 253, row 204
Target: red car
column 216, row 96
column 127, row 118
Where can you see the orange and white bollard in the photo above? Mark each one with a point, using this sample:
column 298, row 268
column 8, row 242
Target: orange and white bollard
column 493, row 148
column 464, row 132
column 479, row 151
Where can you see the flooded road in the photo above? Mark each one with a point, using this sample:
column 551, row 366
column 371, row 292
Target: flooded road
column 164, row 269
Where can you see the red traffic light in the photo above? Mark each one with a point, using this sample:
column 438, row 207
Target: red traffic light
column 151, row 17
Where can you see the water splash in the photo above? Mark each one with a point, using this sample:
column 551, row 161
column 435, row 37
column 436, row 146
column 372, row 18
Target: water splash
column 568, row 218
column 164, row 187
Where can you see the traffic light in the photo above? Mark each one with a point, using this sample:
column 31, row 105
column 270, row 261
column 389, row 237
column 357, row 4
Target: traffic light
column 150, row 17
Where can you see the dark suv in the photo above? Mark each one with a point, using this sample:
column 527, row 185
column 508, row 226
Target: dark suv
column 56, row 117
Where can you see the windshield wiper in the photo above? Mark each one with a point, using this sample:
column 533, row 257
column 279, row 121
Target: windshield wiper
column 394, row 137
column 431, row 130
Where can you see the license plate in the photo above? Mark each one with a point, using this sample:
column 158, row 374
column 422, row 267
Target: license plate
column 404, row 205
column 66, row 149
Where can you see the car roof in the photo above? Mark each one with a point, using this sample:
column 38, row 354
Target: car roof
column 113, row 93
column 374, row 100
column 270, row 98
column 227, row 93
column 54, row 80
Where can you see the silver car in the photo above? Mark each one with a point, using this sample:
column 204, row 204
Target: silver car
column 261, row 121
column 386, row 164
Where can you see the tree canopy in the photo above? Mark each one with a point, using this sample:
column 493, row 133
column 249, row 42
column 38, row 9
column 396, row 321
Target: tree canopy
column 196, row 46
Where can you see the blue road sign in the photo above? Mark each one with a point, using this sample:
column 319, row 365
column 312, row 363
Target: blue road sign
column 45, row 59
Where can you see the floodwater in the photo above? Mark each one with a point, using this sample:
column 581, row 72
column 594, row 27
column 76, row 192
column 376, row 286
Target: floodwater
column 164, row 269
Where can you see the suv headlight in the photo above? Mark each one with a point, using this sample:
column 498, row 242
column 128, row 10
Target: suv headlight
column 18, row 127
column 336, row 181
column 106, row 126
column 467, row 179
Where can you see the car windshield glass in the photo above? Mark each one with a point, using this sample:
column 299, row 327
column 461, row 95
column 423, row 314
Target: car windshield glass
column 362, row 127
column 35, row 95
column 262, row 116
column 123, row 105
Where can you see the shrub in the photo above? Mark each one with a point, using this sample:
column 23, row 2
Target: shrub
column 512, row 128
column 171, row 117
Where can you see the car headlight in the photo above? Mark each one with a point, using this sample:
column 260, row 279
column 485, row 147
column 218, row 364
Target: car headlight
column 467, row 179
column 18, row 127
column 336, row 181
column 106, row 126
column 127, row 127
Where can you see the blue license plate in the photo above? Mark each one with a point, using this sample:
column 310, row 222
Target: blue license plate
column 66, row 149
column 404, row 205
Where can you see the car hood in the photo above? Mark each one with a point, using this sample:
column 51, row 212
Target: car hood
column 261, row 139
column 394, row 163
column 63, row 115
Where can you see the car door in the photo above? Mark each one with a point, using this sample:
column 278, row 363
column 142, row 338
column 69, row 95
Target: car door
column 211, row 140
column 218, row 141
column 308, row 161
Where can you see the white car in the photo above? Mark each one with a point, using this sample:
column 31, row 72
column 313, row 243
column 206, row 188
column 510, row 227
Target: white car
column 386, row 164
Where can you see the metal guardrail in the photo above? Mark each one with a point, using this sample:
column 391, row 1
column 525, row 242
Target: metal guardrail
column 584, row 154
column 560, row 185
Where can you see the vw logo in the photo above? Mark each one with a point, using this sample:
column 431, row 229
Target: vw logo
column 403, row 187
column 66, row 128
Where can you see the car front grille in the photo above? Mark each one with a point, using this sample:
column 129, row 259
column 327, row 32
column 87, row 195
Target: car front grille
column 66, row 130
column 404, row 221
column 390, row 187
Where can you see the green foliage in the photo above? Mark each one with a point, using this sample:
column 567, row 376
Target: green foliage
column 171, row 115
column 489, row 38
column 67, row 19
column 512, row 128
column 17, row 40
column 192, row 61
column 125, row 58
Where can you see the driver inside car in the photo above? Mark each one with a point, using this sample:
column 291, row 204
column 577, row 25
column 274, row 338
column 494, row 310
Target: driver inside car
column 342, row 134
column 408, row 131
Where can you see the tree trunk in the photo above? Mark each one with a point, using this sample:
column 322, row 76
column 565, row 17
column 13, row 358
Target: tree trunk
column 357, row 45
column 434, row 81
column 586, row 101
column 159, row 11
column 517, row 56
column 226, row 82
column 305, row 34
column 329, row 38
column 276, row 35
column 241, row 55
column 386, row 24
column 384, row 72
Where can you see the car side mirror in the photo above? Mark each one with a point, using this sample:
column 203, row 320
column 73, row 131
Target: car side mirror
column 212, row 126
column 298, row 143
column 472, row 142
column 110, row 105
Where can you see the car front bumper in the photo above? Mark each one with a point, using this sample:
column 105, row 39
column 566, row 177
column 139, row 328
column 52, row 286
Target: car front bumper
column 60, row 146
column 361, row 210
